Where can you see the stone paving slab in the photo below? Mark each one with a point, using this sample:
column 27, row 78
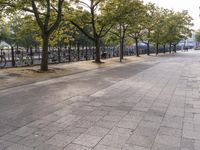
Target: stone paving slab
column 146, row 106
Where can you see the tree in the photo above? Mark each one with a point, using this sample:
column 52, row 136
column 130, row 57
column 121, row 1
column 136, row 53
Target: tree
column 136, row 22
column 64, row 35
column 123, row 9
column 150, row 18
column 47, row 13
column 26, row 36
column 159, row 30
column 178, row 27
column 7, row 34
column 95, row 15
column 197, row 35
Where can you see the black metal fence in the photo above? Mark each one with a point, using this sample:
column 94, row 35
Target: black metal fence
column 18, row 57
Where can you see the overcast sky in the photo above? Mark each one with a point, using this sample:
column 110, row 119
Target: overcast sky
column 178, row 5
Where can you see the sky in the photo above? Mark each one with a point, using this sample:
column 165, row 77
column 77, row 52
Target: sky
column 192, row 6
column 178, row 5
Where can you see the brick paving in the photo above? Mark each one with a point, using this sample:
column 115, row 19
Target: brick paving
column 149, row 105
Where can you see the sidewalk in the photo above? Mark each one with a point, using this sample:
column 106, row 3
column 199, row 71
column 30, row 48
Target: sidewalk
column 145, row 105
column 13, row 77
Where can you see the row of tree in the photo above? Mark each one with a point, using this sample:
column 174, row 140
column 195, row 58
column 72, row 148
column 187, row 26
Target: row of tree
column 114, row 22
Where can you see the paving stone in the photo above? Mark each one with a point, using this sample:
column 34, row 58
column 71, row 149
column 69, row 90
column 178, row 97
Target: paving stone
column 127, row 124
column 87, row 140
column 118, row 113
column 143, row 141
column 99, row 113
column 76, row 147
column 18, row 147
column 132, row 118
column 153, row 118
column 114, row 141
column 197, row 144
column 134, row 147
column 33, row 140
column 172, row 122
column 72, row 129
column 47, row 132
column 121, row 131
column 168, row 140
column 170, row 131
column 97, row 131
column 191, row 134
column 144, row 131
column 103, row 147
column 157, row 146
column 45, row 146
column 4, row 144
column 106, row 124
column 112, row 118
column 38, row 124
column 187, row 144
column 11, row 138
column 149, row 124
column 84, row 124
column 24, row 131
column 60, row 140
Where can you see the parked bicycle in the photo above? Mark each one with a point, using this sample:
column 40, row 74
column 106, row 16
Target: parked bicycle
column 23, row 59
column 2, row 61
column 53, row 57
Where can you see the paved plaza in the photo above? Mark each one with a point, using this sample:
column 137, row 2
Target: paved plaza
column 152, row 104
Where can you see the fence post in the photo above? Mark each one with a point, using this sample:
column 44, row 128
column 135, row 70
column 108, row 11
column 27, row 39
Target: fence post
column 31, row 53
column 93, row 53
column 78, row 51
column 13, row 57
column 86, row 53
column 59, row 57
column 69, row 52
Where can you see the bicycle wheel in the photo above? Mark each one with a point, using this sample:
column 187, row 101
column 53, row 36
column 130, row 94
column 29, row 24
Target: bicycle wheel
column 2, row 61
column 28, row 61
column 18, row 61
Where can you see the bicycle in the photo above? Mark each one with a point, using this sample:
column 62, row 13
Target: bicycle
column 53, row 57
column 2, row 61
column 23, row 59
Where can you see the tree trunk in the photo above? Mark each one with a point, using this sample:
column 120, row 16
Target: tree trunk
column 156, row 49
column 170, row 47
column 174, row 48
column 13, row 56
column 137, row 48
column 45, row 43
column 121, row 49
column 164, row 48
column 98, row 56
column 121, row 44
